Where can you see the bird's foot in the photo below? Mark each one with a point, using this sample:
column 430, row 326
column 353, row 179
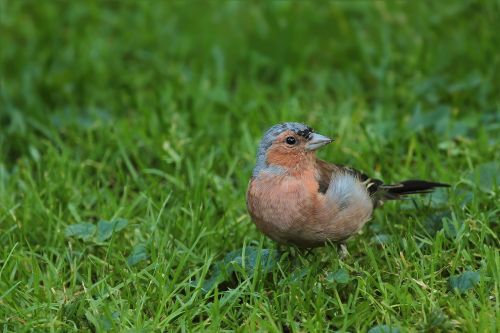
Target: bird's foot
column 342, row 251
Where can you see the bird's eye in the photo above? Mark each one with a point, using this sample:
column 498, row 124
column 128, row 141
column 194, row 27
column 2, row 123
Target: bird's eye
column 291, row 140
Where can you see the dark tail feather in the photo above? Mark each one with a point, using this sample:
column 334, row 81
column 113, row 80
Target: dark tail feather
column 410, row 187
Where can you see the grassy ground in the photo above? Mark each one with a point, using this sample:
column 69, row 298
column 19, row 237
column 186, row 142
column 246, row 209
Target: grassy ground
column 148, row 116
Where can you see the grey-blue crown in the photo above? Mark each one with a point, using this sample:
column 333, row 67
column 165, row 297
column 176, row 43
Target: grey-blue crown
column 271, row 135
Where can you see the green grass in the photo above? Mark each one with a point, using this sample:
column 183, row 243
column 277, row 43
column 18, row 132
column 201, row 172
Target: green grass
column 152, row 113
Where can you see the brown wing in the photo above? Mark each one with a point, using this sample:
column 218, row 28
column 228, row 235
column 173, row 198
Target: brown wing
column 326, row 170
column 379, row 191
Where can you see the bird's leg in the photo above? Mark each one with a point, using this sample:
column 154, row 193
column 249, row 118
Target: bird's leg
column 342, row 250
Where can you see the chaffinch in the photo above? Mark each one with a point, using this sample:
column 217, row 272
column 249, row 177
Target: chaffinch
column 297, row 199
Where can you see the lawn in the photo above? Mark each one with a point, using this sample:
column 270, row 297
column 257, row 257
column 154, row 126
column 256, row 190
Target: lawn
column 128, row 133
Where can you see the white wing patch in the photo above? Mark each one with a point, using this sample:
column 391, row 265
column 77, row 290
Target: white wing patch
column 345, row 190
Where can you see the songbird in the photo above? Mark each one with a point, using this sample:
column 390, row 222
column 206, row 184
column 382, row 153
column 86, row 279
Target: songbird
column 297, row 199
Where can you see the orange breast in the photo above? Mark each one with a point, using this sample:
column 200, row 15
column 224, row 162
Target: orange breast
column 281, row 205
column 289, row 209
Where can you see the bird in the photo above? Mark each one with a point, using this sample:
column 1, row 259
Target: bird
column 297, row 199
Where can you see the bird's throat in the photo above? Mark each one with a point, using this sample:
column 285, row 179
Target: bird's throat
column 294, row 164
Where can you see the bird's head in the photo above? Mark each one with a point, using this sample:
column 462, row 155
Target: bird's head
column 288, row 146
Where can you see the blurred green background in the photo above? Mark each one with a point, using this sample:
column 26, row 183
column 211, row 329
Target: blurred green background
column 152, row 111
column 195, row 65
